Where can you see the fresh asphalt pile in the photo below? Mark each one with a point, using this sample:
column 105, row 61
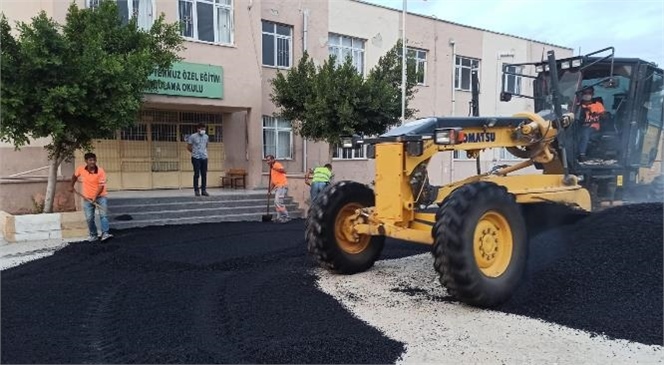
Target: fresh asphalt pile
column 212, row 293
column 602, row 274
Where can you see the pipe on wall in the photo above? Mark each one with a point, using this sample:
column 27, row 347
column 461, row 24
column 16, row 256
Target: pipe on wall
column 453, row 44
column 305, row 32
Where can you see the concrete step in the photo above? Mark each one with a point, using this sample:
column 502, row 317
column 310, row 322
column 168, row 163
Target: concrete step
column 248, row 194
column 192, row 212
column 159, row 210
column 248, row 217
column 116, row 209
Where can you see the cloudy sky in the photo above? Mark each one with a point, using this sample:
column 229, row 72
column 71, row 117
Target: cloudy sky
column 634, row 27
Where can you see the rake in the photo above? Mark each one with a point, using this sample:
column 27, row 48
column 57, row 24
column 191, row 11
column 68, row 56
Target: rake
column 121, row 217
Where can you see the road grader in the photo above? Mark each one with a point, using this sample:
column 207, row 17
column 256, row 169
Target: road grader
column 479, row 227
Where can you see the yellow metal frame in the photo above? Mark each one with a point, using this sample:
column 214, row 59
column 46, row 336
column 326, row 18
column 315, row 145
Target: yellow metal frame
column 395, row 214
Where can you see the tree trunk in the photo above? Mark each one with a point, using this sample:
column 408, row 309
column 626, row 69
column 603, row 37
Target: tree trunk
column 52, row 184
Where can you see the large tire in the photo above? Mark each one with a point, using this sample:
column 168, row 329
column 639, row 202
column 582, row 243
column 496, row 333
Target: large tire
column 480, row 244
column 324, row 229
column 656, row 189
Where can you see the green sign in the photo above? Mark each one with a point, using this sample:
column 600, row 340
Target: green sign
column 189, row 79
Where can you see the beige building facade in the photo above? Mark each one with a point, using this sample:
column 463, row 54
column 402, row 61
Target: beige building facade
column 233, row 49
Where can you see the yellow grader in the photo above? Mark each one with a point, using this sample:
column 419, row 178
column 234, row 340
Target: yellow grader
column 479, row 227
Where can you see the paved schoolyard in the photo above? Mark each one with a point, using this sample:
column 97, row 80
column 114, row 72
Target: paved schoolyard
column 248, row 293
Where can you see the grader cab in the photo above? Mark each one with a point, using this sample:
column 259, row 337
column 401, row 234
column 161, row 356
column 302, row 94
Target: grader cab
column 478, row 227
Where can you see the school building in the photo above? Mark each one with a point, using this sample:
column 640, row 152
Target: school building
column 233, row 49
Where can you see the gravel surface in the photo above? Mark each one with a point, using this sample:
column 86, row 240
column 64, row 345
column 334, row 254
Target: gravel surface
column 213, row 293
column 596, row 297
column 14, row 254
column 603, row 274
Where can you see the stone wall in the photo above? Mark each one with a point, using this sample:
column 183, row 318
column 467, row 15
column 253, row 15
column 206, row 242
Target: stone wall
column 32, row 227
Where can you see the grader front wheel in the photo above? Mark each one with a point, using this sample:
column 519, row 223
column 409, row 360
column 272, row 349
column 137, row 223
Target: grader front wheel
column 330, row 237
column 480, row 244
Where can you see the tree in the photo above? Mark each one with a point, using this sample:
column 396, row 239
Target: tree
column 328, row 102
column 79, row 81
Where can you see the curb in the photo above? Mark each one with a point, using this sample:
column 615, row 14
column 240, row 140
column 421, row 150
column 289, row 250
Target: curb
column 47, row 226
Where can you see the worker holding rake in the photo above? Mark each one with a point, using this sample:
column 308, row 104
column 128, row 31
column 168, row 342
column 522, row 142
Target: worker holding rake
column 93, row 181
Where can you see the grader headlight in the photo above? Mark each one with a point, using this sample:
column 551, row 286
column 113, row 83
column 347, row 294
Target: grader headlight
column 448, row 136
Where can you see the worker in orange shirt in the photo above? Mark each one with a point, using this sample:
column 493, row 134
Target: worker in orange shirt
column 591, row 112
column 278, row 183
column 93, row 181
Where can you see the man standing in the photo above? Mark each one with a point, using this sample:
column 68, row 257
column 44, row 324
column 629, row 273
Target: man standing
column 93, row 180
column 278, row 182
column 197, row 145
column 321, row 177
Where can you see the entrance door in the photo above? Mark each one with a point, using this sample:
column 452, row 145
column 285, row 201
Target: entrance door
column 165, row 149
column 153, row 153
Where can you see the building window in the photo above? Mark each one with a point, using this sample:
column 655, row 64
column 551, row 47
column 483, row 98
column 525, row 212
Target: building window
column 461, row 155
column 463, row 68
column 512, row 82
column 277, row 138
column 420, row 57
column 142, row 10
column 342, row 46
column 207, row 20
column 506, row 155
column 277, row 44
column 351, row 153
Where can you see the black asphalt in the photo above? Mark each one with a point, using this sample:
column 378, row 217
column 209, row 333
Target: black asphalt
column 602, row 274
column 211, row 293
column 243, row 293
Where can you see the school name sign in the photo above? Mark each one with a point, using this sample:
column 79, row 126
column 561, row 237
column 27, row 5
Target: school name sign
column 189, row 79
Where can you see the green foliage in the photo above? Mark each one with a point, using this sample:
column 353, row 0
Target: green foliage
column 81, row 80
column 327, row 102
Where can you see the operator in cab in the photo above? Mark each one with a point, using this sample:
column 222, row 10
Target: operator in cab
column 591, row 110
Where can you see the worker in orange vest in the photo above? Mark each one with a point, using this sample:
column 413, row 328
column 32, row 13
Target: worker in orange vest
column 278, row 184
column 592, row 110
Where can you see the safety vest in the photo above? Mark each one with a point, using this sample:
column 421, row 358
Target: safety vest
column 592, row 113
column 321, row 174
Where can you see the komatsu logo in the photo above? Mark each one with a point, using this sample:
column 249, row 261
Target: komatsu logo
column 481, row 137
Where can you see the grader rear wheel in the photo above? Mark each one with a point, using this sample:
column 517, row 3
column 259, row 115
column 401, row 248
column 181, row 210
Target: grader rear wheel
column 329, row 234
column 480, row 244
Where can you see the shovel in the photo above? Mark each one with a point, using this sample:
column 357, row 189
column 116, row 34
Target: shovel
column 267, row 217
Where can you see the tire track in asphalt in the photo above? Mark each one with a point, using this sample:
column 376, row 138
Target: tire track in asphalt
column 103, row 334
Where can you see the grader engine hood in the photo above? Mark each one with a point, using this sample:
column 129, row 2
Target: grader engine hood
column 427, row 126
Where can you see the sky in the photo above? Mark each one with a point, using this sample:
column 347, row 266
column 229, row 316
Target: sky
column 634, row 27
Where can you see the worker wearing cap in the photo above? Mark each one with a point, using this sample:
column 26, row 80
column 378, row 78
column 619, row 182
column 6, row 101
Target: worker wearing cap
column 320, row 178
column 591, row 111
